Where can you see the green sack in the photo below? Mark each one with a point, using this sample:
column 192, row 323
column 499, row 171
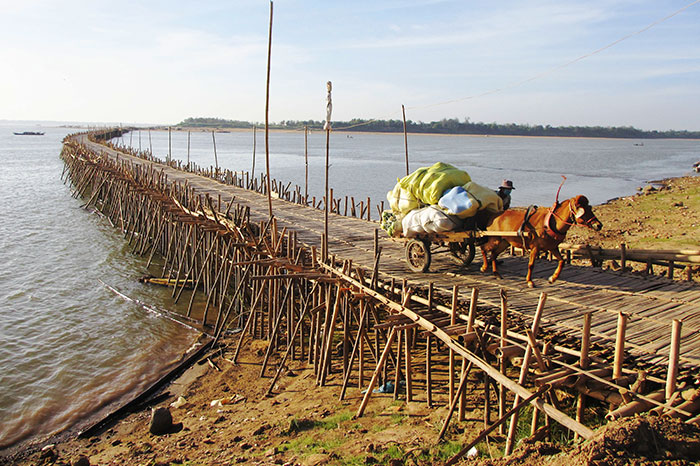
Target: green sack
column 428, row 184
column 401, row 200
column 390, row 223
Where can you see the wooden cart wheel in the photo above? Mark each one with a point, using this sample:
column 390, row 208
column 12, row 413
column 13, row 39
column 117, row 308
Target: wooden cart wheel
column 463, row 252
column 418, row 255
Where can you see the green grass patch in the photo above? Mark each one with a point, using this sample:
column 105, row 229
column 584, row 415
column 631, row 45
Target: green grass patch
column 333, row 422
column 307, row 445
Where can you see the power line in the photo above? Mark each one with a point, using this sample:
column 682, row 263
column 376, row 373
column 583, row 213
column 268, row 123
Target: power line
column 561, row 66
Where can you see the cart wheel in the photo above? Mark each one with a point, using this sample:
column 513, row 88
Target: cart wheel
column 418, row 255
column 463, row 252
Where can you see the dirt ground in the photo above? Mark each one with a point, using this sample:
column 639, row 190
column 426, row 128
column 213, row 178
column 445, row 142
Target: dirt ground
column 227, row 419
column 303, row 424
column 665, row 215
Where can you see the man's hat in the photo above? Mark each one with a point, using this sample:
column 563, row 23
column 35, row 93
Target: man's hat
column 507, row 184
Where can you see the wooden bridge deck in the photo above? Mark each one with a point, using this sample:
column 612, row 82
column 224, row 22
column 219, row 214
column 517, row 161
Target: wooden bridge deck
column 651, row 302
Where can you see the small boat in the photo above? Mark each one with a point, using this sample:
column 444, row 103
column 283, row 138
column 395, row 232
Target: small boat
column 30, row 133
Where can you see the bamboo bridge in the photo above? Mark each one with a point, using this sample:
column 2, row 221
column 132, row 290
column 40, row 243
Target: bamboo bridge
column 624, row 341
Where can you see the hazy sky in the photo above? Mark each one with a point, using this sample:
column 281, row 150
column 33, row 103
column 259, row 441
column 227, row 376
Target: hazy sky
column 163, row 61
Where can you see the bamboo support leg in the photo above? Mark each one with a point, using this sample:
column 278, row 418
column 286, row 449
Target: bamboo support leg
column 523, row 374
column 453, row 402
column 513, row 411
column 377, row 372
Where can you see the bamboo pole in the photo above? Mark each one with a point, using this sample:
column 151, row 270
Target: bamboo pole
column 502, row 359
column 252, row 170
column 515, row 387
column 583, row 362
column 453, row 403
column 289, row 347
column 405, row 136
column 428, row 371
column 267, row 116
column 377, row 371
column 306, row 166
column 674, row 353
column 327, row 127
column 619, row 345
column 397, row 373
column 216, row 159
column 408, row 366
column 513, row 411
column 523, row 374
column 453, row 321
column 357, row 347
column 170, row 146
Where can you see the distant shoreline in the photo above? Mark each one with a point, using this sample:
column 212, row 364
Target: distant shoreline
column 203, row 129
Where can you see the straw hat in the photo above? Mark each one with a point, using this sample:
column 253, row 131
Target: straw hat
column 507, row 184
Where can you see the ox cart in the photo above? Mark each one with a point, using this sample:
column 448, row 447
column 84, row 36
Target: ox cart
column 461, row 245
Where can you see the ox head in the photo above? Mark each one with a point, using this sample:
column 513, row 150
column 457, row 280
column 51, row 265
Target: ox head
column 583, row 214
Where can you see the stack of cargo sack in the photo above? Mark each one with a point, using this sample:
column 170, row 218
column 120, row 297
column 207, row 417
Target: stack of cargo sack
column 436, row 199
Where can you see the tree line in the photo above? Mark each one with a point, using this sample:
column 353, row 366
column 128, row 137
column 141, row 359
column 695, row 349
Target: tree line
column 453, row 126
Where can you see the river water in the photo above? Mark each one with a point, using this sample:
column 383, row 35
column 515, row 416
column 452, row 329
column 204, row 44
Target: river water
column 71, row 347
column 368, row 164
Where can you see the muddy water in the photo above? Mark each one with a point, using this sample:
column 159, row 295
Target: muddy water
column 368, row 164
column 70, row 347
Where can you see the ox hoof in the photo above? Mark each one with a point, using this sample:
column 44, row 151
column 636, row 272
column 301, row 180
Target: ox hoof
column 530, row 284
column 552, row 279
column 484, row 269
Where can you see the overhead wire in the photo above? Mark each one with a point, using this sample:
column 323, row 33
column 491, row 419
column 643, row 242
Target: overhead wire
column 539, row 75
column 563, row 65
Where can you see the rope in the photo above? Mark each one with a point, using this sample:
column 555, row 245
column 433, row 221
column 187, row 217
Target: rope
column 329, row 107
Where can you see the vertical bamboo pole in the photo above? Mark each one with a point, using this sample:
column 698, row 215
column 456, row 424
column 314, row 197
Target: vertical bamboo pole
column 188, row 149
column 252, row 170
column 674, row 353
column 306, row 164
column 170, row 146
column 472, row 310
column 523, row 374
column 397, row 374
column 453, row 321
column 408, row 373
column 405, row 136
column 502, row 362
column 327, row 127
column 361, row 342
column 583, row 362
column 619, row 345
column 463, row 394
column 267, row 116
column 216, row 158
column 377, row 371
column 428, row 371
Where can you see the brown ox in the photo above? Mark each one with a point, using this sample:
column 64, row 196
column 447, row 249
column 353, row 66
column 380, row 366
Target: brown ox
column 544, row 228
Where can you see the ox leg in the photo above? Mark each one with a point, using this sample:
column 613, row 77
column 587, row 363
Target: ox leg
column 489, row 247
column 484, row 267
column 530, row 265
column 500, row 247
column 556, row 273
